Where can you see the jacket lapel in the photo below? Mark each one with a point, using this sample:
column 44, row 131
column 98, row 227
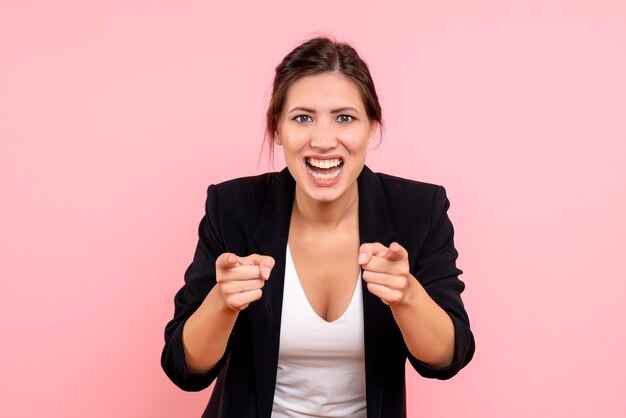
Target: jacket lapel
column 374, row 226
column 374, row 220
column 271, row 235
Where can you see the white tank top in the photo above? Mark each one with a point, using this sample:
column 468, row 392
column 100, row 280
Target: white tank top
column 321, row 365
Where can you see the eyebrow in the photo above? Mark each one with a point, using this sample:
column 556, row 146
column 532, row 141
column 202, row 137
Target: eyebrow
column 309, row 110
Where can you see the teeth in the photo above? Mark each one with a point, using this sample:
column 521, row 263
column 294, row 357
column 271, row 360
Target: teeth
column 324, row 176
column 324, row 163
column 335, row 164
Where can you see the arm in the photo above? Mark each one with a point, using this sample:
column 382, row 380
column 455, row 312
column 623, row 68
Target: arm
column 428, row 309
column 426, row 329
column 199, row 281
column 217, row 286
column 206, row 332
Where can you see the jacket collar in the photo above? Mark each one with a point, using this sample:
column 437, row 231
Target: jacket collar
column 272, row 228
column 271, row 236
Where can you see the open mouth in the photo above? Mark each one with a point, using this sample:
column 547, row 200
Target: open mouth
column 324, row 169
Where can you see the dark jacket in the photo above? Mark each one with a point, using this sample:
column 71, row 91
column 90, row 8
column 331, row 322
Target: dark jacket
column 252, row 215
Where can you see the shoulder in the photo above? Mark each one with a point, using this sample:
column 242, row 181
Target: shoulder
column 236, row 204
column 410, row 192
column 244, row 192
column 240, row 192
column 391, row 181
column 242, row 186
column 413, row 206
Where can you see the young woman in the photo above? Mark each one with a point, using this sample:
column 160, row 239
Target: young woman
column 311, row 287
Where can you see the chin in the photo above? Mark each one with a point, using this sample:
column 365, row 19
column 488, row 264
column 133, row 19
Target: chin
column 326, row 194
column 325, row 197
column 324, row 188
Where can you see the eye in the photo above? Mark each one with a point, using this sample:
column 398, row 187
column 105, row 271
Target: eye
column 302, row 118
column 345, row 118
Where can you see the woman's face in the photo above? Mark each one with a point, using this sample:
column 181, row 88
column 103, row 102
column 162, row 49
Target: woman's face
column 324, row 131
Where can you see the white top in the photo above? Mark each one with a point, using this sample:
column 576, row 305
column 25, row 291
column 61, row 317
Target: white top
column 321, row 365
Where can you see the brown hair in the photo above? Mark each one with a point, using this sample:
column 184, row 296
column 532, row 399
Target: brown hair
column 315, row 56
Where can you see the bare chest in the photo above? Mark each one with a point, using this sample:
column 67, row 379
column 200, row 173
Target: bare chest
column 327, row 268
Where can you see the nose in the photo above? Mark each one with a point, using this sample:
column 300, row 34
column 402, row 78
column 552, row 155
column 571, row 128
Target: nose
column 323, row 137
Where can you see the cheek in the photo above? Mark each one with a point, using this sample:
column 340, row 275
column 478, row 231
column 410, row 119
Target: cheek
column 354, row 141
column 295, row 140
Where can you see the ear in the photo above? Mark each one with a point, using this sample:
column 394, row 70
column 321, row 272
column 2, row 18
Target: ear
column 277, row 139
column 373, row 129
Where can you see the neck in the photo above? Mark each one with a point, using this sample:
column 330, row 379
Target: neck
column 327, row 215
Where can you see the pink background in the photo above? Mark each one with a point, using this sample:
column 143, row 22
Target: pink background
column 116, row 115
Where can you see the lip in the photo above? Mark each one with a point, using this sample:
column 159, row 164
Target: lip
column 323, row 182
column 325, row 157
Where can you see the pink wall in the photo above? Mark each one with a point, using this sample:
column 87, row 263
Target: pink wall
column 116, row 115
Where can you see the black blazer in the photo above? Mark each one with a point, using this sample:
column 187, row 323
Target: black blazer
column 252, row 215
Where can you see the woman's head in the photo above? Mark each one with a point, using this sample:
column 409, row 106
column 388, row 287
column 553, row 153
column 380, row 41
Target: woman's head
column 316, row 56
column 324, row 112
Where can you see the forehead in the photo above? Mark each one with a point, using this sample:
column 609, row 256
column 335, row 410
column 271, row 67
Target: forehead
column 324, row 90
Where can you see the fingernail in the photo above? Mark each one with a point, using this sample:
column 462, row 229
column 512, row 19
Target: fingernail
column 266, row 272
column 362, row 258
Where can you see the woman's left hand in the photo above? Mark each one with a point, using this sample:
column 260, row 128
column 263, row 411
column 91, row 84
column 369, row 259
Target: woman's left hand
column 386, row 271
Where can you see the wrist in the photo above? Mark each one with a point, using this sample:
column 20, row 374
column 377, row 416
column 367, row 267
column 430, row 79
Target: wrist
column 218, row 303
column 413, row 295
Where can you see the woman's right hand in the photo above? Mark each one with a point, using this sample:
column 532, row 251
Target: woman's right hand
column 240, row 279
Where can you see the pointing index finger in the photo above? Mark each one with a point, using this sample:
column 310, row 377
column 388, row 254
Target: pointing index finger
column 368, row 250
column 264, row 262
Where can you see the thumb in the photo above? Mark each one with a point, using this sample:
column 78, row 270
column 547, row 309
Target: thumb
column 266, row 264
column 226, row 260
column 396, row 252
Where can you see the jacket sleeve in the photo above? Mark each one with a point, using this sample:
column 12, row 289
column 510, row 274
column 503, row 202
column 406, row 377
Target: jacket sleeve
column 437, row 272
column 199, row 280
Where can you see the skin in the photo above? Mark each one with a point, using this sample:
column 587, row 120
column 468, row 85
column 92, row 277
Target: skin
column 324, row 116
